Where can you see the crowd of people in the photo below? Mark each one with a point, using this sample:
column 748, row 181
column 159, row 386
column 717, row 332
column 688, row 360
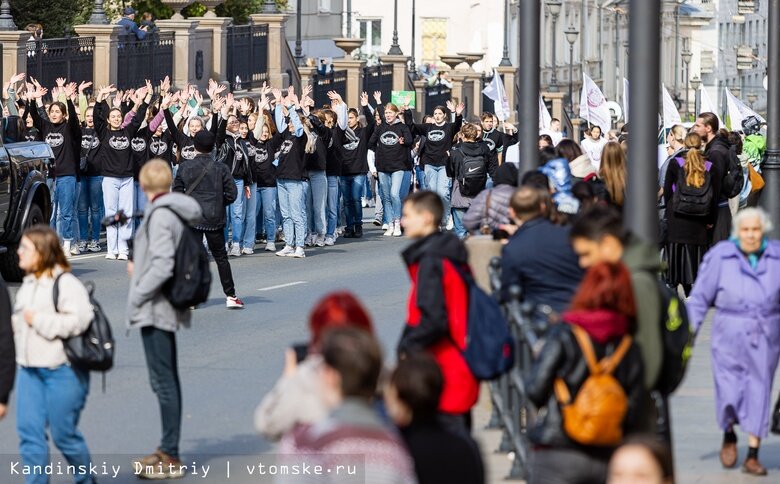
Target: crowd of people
column 282, row 170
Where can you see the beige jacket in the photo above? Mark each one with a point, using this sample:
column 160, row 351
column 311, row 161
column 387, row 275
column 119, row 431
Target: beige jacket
column 40, row 345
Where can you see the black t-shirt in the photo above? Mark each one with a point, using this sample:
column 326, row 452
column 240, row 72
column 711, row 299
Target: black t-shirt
column 263, row 169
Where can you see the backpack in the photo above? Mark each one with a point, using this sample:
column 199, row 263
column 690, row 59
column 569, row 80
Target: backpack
column 489, row 350
column 191, row 280
column 733, row 180
column 676, row 338
column 595, row 417
column 92, row 350
column 691, row 201
column 473, row 174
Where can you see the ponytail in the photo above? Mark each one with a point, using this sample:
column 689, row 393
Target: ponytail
column 694, row 161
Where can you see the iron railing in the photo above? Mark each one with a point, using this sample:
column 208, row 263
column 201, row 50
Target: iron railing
column 332, row 81
column 378, row 78
column 149, row 58
column 68, row 57
column 247, row 56
column 436, row 95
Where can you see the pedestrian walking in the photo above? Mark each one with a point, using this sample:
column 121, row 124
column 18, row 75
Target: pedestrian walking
column 740, row 278
column 469, row 163
column 716, row 151
column 490, row 209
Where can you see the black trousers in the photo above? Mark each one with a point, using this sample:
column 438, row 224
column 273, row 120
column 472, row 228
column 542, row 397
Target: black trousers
column 160, row 351
column 216, row 242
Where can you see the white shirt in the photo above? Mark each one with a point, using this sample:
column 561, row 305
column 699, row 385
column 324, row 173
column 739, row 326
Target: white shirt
column 593, row 149
column 556, row 136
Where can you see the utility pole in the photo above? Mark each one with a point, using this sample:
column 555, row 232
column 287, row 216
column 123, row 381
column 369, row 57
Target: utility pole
column 770, row 197
column 530, row 10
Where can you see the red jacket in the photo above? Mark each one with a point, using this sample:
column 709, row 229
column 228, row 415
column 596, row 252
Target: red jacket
column 438, row 314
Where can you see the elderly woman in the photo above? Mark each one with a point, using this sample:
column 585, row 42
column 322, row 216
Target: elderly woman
column 740, row 277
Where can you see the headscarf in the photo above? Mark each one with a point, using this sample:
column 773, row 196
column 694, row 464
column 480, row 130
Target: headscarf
column 557, row 171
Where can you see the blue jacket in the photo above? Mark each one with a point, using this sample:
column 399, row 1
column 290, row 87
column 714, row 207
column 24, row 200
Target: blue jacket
column 540, row 259
column 131, row 28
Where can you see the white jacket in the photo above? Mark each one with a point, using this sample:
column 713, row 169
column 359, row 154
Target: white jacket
column 40, row 345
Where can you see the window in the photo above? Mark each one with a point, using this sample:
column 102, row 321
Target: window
column 434, row 39
column 324, row 6
column 371, row 30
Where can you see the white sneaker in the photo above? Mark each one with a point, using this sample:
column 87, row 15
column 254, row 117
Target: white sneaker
column 397, row 228
column 247, row 251
column 74, row 250
column 390, row 229
column 270, row 247
column 111, row 256
column 450, row 224
column 66, row 248
column 82, row 246
column 94, row 246
column 122, row 257
column 319, row 240
column 287, row 251
column 384, row 226
column 364, row 202
column 299, row 253
column 329, row 241
column 234, row 303
column 235, row 251
column 309, row 240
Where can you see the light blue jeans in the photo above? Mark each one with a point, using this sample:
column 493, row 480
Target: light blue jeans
column 118, row 194
column 457, row 222
column 391, row 186
column 266, row 211
column 316, row 200
column 52, row 398
column 250, row 217
column 333, row 205
column 292, row 205
column 90, row 200
column 65, row 195
column 235, row 213
column 436, row 180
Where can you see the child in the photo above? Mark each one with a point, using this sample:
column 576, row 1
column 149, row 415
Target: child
column 469, row 167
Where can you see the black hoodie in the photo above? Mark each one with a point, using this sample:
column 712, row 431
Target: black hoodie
column 64, row 139
column 438, row 139
column 354, row 154
column 391, row 155
column 115, row 144
column 717, row 153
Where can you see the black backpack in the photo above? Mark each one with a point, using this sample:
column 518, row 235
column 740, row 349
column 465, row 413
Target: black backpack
column 92, row 350
column 733, row 180
column 191, row 280
column 473, row 174
column 691, row 201
column 676, row 339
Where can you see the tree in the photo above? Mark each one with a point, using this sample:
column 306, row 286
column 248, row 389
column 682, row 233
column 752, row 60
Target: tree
column 56, row 16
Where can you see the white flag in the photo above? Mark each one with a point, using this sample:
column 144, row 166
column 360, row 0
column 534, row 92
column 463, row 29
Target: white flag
column 593, row 105
column 544, row 115
column 707, row 106
column 495, row 91
column 625, row 100
column 738, row 111
column 671, row 115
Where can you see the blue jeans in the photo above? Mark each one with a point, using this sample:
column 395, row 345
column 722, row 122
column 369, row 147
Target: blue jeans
column 90, row 199
column 162, row 363
column 65, row 199
column 140, row 203
column 52, row 398
column 351, row 189
column 118, row 194
column 292, row 205
column 266, row 211
column 391, row 186
column 235, row 213
column 420, row 174
column 316, row 199
column 436, row 180
column 250, row 217
column 332, row 205
column 457, row 222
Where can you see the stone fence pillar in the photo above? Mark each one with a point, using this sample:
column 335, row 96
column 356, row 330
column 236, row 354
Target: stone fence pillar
column 354, row 70
column 276, row 43
column 105, row 56
column 400, row 73
column 183, row 49
column 14, row 52
column 218, row 27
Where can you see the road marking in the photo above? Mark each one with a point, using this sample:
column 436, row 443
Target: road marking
column 83, row 257
column 280, row 286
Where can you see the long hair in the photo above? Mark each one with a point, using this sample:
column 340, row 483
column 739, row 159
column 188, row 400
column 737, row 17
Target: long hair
column 311, row 139
column 694, row 161
column 568, row 149
column 337, row 309
column 47, row 245
column 606, row 286
column 613, row 171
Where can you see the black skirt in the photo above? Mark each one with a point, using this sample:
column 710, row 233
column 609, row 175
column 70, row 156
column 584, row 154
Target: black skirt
column 682, row 262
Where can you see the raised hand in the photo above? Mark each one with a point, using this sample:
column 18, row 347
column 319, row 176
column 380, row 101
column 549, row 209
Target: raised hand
column 17, row 78
column 70, row 90
column 459, row 108
column 264, row 104
column 244, row 106
column 293, row 98
column 450, row 105
column 118, row 99
column 198, row 98
column 265, row 90
column 307, row 89
column 165, row 103
column 277, row 93
column 364, row 99
column 165, row 85
column 140, row 94
column 84, row 86
column 217, row 102
column 39, row 92
column 378, row 97
column 60, row 82
column 291, row 91
column 335, row 97
column 149, row 87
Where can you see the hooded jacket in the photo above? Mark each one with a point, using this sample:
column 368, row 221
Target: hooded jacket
column 561, row 357
column 717, row 153
column 156, row 241
column 216, row 190
column 438, row 313
column 390, row 154
column 438, row 144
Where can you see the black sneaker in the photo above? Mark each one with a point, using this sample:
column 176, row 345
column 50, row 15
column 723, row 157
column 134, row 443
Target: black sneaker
column 349, row 233
column 358, row 231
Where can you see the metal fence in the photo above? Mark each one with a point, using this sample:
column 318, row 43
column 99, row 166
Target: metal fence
column 378, row 78
column 332, row 81
column 436, row 96
column 149, row 58
column 68, row 57
column 247, row 56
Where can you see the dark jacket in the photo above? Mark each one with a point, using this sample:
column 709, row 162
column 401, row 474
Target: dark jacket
column 215, row 192
column 233, row 151
column 497, row 141
column 391, row 155
column 7, row 352
column 457, row 159
column 90, row 145
column 717, row 152
column 437, row 315
column 131, row 28
column 441, row 456
column 64, row 139
column 263, row 170
column 438, row 139
column 318, row 161
column 115, row 153
column 561, row 357
column 539, row 258
column 354, row 153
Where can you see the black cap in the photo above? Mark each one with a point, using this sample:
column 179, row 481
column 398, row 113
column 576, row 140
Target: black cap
column 204, row 141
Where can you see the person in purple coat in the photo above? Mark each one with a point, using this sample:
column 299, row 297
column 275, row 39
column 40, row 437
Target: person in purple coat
column 740, row 277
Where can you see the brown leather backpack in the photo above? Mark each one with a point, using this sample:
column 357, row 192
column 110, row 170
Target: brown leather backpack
column 595, row 417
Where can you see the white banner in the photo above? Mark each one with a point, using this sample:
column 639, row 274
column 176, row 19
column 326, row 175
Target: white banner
column 545, row 119
column 593, row 105
column 707, row 106
column 671, row 115
column 738, row 111
column 625, row 100
column 495, row 91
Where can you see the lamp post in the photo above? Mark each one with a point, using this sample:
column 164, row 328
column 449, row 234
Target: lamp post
column 555, row 9
column 269, row 6
column 695, row 85
column 505, row 62
column 395, row 49
column 349, row 18
column 528, row 130
column 298, row 48
column 413, row 65
column 571, row 37
column 752, row 98
column 770, row 197
column 7, row 20
column 686, row 58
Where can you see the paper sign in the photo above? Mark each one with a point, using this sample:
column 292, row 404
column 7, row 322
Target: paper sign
column 404, row 98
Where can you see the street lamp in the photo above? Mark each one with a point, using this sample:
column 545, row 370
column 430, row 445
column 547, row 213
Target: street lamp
column 298, row 48
column 752, row 98
column 554, row 6
column 269, row 6
column 571, row 37
column 686, row 57
column 395, row 49
column 7, row 20
column 695, row 85
column 413, row 65
column 505, row 59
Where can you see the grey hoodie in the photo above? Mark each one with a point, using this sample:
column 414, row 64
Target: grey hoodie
column 146, row 305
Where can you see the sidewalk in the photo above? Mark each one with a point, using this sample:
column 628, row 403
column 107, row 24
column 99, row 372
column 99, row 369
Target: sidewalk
column 497, row 465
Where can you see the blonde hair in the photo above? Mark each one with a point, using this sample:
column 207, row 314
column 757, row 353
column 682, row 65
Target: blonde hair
column 155, row 176
column 311, row 139
column 613, row 171
column 694, row 161
column 678, row 133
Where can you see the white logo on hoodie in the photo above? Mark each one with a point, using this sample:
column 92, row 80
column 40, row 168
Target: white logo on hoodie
column 89, row 142
column 389, row 139
column 138, row 144
column 188, row 152
column 436, row 135
column 158, row 147
column 119, row 143
column 54, row 139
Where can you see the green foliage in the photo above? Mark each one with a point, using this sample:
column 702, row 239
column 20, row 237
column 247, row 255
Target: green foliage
column 56, row 16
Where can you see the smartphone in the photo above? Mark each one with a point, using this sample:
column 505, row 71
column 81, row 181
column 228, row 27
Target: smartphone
column 301, row 351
